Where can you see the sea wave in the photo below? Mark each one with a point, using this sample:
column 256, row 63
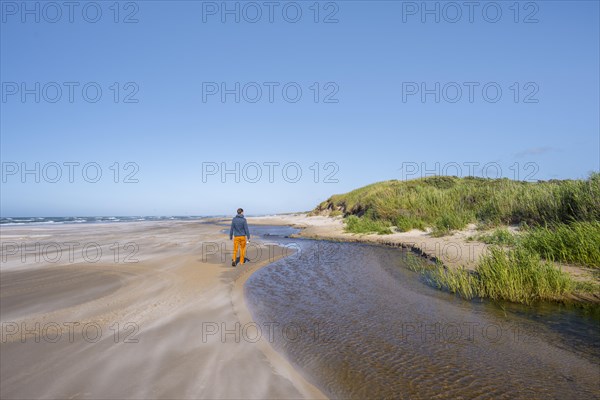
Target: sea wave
column 10, row 221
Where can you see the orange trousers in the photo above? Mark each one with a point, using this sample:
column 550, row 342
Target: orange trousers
column 239, row 242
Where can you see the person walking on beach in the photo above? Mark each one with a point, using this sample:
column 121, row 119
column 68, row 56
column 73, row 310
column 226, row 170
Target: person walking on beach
column 239, row 232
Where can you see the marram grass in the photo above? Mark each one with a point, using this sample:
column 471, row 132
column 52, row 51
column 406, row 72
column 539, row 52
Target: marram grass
column 560, row 222
column 513, row 275
column 366, row 225
column 521, row 276
column 448, row 203
column 575, row 243
column 500, row 236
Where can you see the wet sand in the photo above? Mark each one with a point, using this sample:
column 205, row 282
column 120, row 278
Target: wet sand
column 159, row 314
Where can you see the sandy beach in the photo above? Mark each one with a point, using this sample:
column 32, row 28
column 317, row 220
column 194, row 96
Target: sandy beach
column 133, row 310
column 144, row 310
column 416, row 187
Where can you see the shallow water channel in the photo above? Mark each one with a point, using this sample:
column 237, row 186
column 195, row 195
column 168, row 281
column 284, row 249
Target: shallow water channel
column 359, row 324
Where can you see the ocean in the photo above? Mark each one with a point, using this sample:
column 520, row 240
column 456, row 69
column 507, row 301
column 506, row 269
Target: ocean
column 9, row 221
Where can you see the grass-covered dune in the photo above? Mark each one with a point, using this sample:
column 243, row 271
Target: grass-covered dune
column 446, row 203
column 559, row 221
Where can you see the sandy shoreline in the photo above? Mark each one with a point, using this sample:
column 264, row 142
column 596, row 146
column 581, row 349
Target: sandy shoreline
column 281, row 365
column 160, row 314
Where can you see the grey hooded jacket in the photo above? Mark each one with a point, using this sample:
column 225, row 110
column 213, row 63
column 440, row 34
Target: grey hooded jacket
column 239, row 227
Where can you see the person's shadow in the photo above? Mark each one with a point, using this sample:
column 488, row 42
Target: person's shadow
column 237, row 260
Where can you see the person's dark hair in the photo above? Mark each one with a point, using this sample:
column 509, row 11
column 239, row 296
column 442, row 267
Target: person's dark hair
column 240, row 210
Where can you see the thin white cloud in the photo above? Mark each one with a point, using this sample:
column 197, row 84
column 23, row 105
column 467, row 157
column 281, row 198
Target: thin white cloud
column 535, row 151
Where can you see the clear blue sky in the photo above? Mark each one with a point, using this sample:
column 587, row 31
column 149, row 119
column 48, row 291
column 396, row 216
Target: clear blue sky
column 372, row 60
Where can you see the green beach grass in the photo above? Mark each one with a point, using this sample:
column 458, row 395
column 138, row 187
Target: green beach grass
column 448, row 203
column 366, row 225
column 559, row 221
column 574, row 243
column 514, row 275
column 577, row 243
